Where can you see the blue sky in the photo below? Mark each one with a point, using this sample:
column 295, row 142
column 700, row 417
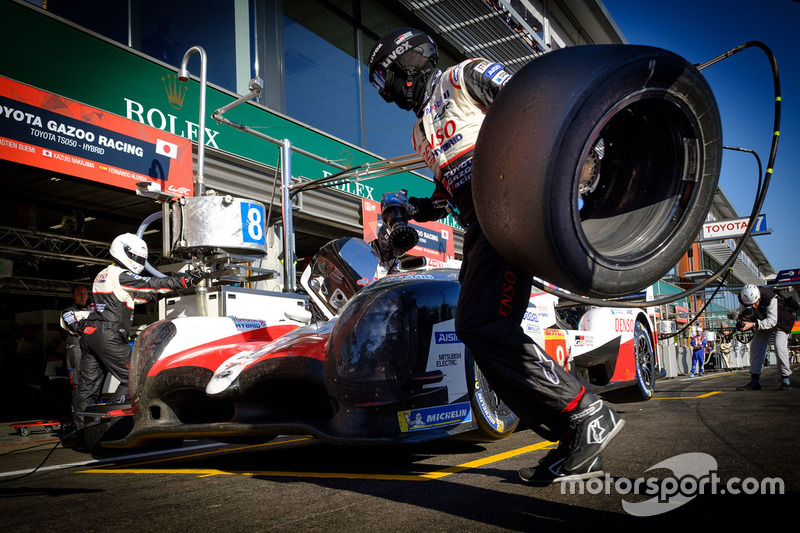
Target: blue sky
column 700, row 30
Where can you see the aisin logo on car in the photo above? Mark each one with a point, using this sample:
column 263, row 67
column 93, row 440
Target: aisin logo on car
column 446, row 337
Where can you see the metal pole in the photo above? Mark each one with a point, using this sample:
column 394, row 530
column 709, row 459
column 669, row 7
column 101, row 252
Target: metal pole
column 183, row 75
column 286, row 211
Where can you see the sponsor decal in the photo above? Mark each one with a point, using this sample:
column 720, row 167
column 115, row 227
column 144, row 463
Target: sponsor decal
column 532, row 329
column 403, row 37
column 532, row 316
column 446, row 354
column 584, row 341
column 401, row 49
column 248, row 323
column 446, row 337
column 434, row 417
column 481, row 67
column 509, row 289
column 624, row 325
column 179, row 191
column 356, row 189
column 375, row 52
column 493, row 69
column 501, row 78
column 176, row 90
column 167, row 122
column 449, row 359
column 555, row 344
column 488, row 414
column 407, row 275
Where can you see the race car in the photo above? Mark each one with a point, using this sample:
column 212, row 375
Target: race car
column 381, row 363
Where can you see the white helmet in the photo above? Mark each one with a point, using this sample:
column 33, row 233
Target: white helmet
column 130, row 251
column 699, row 330
column 749, row 295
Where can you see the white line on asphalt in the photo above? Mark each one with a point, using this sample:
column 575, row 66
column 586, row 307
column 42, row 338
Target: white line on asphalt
column 111, row 459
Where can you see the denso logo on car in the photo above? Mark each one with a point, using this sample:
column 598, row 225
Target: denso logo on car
column 623, row 324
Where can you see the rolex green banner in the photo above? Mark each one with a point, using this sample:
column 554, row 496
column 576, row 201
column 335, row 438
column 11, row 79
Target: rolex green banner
column 53, row 56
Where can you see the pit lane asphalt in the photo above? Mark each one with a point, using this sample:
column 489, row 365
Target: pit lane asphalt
column 299, row 484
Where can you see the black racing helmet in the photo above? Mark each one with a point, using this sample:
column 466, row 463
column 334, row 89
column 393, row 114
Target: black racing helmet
column 399, row 60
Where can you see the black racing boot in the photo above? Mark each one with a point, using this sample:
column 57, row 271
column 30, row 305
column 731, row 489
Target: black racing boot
column 550, row 468
column 593, row 425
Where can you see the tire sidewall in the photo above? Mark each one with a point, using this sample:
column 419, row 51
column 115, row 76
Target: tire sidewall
column 590, row 270
column 645, row 388
column 525, row 187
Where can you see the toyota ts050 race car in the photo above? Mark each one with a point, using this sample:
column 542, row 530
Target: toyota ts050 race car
column 382, row 365
column 601, row 191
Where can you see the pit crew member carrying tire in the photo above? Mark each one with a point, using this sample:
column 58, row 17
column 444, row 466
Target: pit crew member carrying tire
column 450, row 107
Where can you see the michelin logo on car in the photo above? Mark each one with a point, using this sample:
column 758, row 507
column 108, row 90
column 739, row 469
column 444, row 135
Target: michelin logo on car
column 432, row 417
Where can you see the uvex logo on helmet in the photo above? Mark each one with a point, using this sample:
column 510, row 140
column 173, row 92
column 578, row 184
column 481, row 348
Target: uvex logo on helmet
column 375, row 52
column 397, row 52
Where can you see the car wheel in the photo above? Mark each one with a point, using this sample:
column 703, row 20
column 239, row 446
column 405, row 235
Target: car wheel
column 596, row 166
column 644, row 357
column 494, row 418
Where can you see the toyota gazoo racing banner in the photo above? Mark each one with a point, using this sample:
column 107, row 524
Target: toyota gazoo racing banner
column 48, row 131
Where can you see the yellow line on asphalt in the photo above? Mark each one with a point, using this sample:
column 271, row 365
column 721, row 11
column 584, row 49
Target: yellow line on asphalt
column 706, row 395
column 485, row 461
column 206, row 472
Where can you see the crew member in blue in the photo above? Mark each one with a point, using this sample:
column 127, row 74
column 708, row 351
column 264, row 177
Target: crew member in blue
column 698, row 351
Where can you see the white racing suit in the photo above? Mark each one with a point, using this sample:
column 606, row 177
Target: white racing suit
column 494, row 293
column 104, row 339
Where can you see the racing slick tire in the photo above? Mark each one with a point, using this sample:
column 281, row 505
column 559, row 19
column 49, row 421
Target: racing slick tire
column 644, row 357
column 493, row 417
column 596, row 166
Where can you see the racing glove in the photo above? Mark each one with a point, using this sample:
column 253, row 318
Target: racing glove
column 421, row 209
column 192, row 277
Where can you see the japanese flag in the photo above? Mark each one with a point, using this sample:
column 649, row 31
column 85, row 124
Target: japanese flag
column 167, row 149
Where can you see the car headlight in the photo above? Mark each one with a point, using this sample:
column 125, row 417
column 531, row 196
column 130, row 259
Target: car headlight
column 146, row 350
column 371, row 341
